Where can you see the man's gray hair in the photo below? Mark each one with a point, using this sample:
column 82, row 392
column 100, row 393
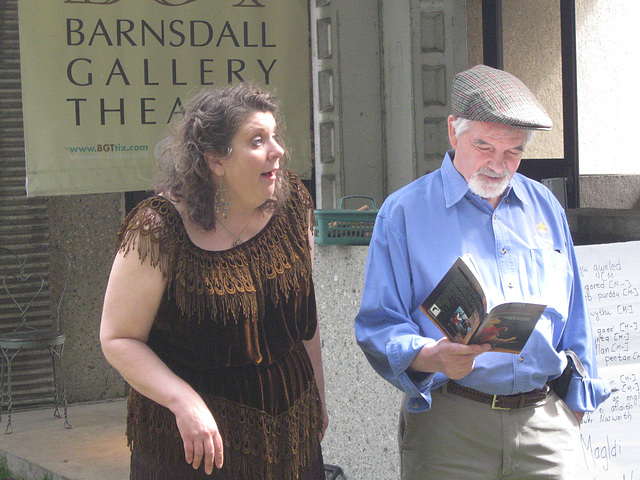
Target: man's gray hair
column 461, row 125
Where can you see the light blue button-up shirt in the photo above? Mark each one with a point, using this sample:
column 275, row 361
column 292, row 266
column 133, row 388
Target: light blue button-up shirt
column 524, row 252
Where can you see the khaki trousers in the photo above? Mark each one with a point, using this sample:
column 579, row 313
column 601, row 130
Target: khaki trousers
column 461, row 439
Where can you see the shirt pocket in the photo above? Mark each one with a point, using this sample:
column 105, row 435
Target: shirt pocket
column 550, row 279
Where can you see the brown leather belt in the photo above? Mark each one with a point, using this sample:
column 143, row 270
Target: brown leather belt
column 500, row 402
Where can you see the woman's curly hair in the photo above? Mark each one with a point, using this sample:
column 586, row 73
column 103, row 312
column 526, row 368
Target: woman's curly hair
column 210, row 122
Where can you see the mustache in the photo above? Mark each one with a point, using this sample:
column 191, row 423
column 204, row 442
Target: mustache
column 490, row 173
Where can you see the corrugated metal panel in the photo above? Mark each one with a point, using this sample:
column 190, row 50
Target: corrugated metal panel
column 24, row 222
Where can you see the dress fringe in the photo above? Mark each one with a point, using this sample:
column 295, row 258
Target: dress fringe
column 257, row 445
column 225, row 285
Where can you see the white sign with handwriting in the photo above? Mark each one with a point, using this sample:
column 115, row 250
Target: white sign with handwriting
column 611, row 435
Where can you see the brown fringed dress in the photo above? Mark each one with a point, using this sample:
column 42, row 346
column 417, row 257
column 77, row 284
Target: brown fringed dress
column 231, row 324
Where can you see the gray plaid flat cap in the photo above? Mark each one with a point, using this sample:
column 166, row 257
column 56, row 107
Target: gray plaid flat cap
column 485, row 94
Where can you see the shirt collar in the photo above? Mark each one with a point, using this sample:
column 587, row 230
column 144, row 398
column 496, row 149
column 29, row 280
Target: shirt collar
column 455, row 186
column 516, row 186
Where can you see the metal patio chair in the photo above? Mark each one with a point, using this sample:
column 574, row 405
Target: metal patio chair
column 26, row 322
column 333, row 472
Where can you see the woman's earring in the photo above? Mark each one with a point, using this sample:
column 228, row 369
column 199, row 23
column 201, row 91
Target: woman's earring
column 221, row 200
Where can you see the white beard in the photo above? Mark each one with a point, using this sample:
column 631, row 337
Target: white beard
column 479, row 185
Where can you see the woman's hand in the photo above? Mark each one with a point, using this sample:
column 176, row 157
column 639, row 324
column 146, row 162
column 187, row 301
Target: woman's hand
column 200, row 434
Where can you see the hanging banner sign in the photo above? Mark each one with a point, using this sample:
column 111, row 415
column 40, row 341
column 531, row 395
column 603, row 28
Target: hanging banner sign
column 102, row 79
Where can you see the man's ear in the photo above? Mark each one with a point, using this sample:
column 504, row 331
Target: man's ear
column 452, row 133
column 215, row 163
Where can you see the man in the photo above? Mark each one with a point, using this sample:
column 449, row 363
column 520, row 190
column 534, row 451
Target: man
column 469, row 413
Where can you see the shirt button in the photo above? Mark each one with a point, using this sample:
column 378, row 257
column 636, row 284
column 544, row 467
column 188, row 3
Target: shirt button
column 415, row 406
column 521, row 359
column 504, row 250
column 510, row 285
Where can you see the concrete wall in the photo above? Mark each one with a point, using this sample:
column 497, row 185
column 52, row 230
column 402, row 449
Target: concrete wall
column 84, row 227
column 610, row 191
column 363, row 408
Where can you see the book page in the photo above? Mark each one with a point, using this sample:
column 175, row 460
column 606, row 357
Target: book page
column 457, row 304
column 470, row 263
column 508, row 327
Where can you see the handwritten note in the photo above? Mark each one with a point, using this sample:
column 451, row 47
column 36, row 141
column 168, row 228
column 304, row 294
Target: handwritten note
column 610, row 436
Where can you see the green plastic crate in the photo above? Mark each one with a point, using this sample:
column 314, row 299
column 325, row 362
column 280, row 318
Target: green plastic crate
column 345, row 227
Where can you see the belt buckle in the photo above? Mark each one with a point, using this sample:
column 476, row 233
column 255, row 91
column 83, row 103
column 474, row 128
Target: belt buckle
column 494, row 406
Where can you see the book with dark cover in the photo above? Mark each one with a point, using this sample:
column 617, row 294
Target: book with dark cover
column 457, row 305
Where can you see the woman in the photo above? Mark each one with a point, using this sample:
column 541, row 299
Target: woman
column 210, row 311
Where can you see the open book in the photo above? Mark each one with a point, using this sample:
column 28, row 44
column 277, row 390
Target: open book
column 458, row 308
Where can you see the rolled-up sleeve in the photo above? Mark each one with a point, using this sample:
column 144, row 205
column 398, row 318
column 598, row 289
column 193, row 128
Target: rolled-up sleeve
column 384, row 328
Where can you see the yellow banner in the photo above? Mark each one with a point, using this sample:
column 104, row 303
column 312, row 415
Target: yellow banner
column 101, row 80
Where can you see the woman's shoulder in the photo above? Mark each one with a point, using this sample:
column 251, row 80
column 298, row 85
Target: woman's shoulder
column 153, row 221
column 152, row 212
column 159, row 204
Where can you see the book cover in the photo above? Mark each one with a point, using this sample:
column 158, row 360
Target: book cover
column 458, row 307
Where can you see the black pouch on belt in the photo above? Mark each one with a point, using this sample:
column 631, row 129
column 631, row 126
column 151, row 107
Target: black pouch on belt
column 560, row 385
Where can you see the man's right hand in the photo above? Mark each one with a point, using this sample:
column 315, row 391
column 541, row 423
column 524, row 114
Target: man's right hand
column 453, row 359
